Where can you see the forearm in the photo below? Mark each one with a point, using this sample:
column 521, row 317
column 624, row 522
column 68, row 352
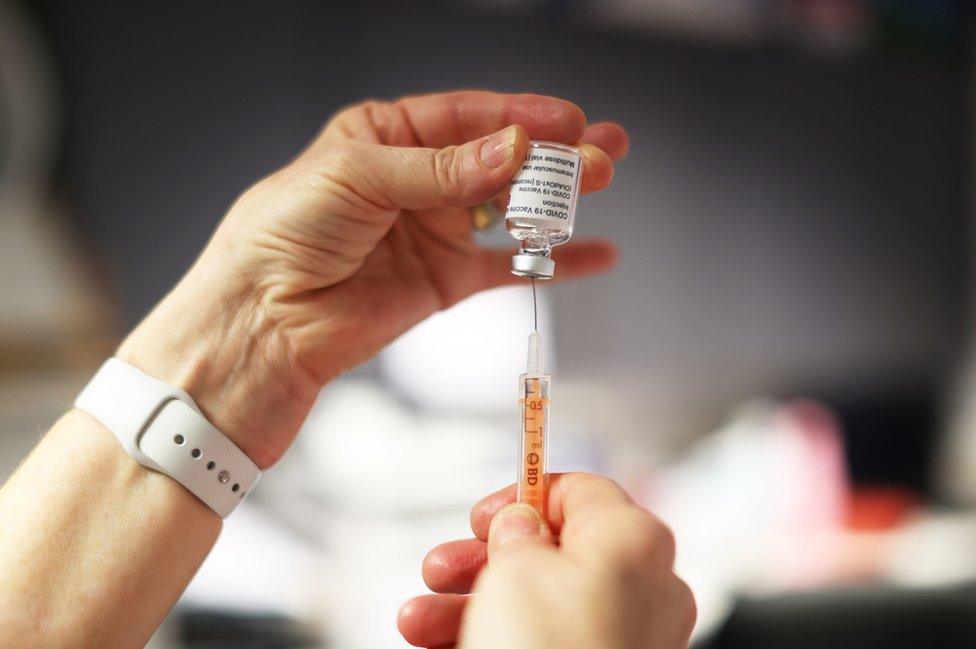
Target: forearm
column 94, row 548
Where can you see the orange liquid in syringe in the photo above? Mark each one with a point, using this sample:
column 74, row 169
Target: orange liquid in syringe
column 532, row 474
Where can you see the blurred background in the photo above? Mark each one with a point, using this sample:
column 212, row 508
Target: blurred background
column 780, row 367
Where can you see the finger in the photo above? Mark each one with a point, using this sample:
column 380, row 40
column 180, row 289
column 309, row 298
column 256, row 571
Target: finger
column 452, row 567
column 443, row 119
column 597, row 169
column 610, row 137
column 599, row 521
column 561, row 485
column 516, row 526
column 595, row 520
column 574, row 260
column 431, row 620
column 485, row 509
column 371, row 176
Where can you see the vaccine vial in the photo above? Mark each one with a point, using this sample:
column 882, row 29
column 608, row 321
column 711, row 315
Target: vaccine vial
column 542, row 206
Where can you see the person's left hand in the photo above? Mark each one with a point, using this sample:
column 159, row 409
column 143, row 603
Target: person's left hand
column 363, row 235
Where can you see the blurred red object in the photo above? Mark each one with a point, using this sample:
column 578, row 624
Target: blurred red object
column 877, row 509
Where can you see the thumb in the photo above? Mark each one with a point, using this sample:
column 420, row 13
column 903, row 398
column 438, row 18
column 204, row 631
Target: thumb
column 422, row 178
column 514, row 525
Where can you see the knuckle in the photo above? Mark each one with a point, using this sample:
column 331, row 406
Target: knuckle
column 589, row 526
column 586, row 479
column 683, row 601
column 392, row 122
column 447, row 174
column 665, row 543
column 342, row 155
column 582, row 482
column 646, row 536
column 343, row 166
column 347, row 120
column 637, row 540
column 389, row 121
column 370, row 104
column 343, row 170
column 376, row 114
column 356, row 108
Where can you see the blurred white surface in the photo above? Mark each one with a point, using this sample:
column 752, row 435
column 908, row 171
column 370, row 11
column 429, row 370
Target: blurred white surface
column 752, row 504
column 258, row 566
column 468, row 358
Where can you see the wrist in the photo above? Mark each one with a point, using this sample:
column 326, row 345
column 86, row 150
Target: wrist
column 210, row 338
column 85, row 533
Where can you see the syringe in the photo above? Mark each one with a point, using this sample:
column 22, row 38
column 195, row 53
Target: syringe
column 534, row 404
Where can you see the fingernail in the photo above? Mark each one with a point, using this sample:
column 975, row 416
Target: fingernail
column 498, row 148
column 516, row 521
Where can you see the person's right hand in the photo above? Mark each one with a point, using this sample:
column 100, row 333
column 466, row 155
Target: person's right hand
column 602, row 578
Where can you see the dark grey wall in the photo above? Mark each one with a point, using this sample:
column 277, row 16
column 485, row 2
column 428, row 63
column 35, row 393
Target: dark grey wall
column 784, row 221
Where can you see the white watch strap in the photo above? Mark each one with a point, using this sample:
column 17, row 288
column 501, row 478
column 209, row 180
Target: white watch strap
column 162, row 428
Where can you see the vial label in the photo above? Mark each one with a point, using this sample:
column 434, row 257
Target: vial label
column 545, row 188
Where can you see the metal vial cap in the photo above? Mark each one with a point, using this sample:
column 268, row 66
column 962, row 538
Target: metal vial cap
column 536, row 266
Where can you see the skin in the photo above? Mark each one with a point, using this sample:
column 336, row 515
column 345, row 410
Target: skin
column 599, row 560
column 310, row 272
column 362, row 236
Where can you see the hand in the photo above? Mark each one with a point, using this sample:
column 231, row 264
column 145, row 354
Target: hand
column 601, row 578
column 319, row 265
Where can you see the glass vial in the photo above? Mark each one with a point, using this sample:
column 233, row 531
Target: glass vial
column 542, row 206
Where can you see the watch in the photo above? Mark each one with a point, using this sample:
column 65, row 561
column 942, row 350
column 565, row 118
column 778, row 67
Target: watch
column 162, row 428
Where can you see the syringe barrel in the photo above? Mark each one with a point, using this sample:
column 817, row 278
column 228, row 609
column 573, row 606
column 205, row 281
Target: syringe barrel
column 533, row 441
